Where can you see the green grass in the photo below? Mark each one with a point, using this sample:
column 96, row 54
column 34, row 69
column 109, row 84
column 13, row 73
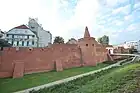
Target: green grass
column 124, row 79
column 8, row 85
column 112, row 82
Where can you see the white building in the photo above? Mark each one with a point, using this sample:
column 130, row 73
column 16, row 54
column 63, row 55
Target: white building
column 110, row 48
column 21, row 36
column 131, row 44
column 44, row 37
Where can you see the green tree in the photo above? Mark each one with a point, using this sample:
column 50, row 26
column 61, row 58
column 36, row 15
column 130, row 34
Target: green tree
column 58, row 40
column 4, row 43
column 100, row 40
column 104, row 40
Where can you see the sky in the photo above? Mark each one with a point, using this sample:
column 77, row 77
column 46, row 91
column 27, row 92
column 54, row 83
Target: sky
column 119, row 19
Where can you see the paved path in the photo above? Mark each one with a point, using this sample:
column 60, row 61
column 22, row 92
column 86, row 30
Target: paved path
column 69, row 79
column 118, row 54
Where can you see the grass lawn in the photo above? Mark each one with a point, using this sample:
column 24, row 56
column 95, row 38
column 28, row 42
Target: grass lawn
column 124, row 79
column 8, row 85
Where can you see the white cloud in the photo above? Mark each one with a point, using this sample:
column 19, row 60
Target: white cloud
column 124, row 10
column 54, row 16
column 128, row 17
column 133, row 27
column 15, row 12
column 112, row 3
column 117, row 22
column 137, row 5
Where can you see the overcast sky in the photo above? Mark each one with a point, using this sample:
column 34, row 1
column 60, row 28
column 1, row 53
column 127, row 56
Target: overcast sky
column 119, row 19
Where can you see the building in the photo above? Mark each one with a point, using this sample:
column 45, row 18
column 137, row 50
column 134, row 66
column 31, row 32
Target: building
column 110, row 48
column 44, row 37
column 31, row 35
column 21, row 36
column 131, row 44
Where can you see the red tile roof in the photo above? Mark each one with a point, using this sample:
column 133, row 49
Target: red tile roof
column 22, row 27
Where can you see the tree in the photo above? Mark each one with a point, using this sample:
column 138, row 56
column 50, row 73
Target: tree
column 72, row 41
column 4, row 43
column 58, row 40
column 104, row 40
column 100, row 40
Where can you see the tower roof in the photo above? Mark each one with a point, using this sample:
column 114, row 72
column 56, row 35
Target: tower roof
column 86, row 35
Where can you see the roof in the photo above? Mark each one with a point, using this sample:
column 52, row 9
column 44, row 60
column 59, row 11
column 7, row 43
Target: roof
column 21, row 27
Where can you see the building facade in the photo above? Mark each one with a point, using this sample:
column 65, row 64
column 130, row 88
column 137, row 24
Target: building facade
column 131, row 44
column 44, row 37
column 21, row 36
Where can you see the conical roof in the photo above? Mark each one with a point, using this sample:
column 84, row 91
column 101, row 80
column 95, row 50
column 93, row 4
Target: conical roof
column 86, row 35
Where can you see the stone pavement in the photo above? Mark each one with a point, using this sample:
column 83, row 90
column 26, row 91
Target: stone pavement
column 69, row 79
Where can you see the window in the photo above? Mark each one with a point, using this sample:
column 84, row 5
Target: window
column 25, row 37
column 17, row 43
column 27, row 43
column 32, row 42
column 20, row 36
column 92, row 44
column 12, row 42
column 30, row 37
column 20, row 43
column 33, row 36
column 15, row 36
column 10, row 36
column 86, row 44
column 32, row 27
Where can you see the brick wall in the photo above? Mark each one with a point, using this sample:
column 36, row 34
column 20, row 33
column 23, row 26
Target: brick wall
column 87, row 52
column 39, row 59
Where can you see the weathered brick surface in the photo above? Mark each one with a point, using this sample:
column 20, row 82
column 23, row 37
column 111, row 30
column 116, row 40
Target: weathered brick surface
column 18, row 69
column 59, row 66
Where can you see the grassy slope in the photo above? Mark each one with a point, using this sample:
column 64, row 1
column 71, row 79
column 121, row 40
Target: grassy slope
column 125, row 79
column 120, row 80
column 10, row 85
